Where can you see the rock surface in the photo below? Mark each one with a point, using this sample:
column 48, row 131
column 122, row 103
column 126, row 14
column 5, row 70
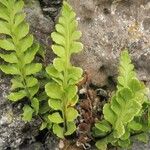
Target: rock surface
column 13, row 131
column 108, row 27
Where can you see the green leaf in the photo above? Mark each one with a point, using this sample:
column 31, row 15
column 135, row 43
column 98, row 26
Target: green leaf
column 135, row 85
column 4, row 13
column 18, row 6
column 24, row 28
column 5, row 3
column 71, row 114
column 73, row 101
column 30, row 54
column 126, row 135
column 143, row 137
column 60, row 29
column 43, row 126
column 103, row 125
column 98, row 133
column 101, row 144
column 119, row 129
column 27, row 113
column 58, row 50
column 35, row 105
column 58, row 131
column 31, row 81
column 58, row 38
column 74, row 75
column 58, row 64
column 32, row 68
column 10, row 58
column 4, row 28
column 58, row 81
column 125, row 143
column 16, row 96
column 55, row 104
column 16, row 83
column 71, row 128
column 76, row 35
column 125, row 108
column 126, row 70
column 76, row 47
column 131, row 108
column 134, row 125
column 53, row 90
column 26, row 43
column 71, row 91
column 53, row 72
column 109, row 115
column 19, row 18
column 55, row 118
column 33, row 90
column 10, row 69
column 7, row 45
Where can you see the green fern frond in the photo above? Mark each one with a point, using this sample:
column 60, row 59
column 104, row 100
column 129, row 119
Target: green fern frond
column 19, row 50
column 124, row 107
column 63, row 90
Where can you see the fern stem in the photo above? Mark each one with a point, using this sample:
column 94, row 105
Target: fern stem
column 67, row 63
column 65, row 99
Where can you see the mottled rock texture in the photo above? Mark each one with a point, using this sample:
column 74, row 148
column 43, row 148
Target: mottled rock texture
column 108, row 27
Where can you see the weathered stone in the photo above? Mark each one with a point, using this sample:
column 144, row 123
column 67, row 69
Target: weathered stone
column 12, row 133
column 146, row 24
column 40, row 25
column 109, row 28
column 33, row 146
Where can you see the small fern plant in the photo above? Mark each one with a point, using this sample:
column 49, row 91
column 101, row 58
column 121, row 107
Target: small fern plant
column 18, row 50
column 127, row 114
column 62, row 90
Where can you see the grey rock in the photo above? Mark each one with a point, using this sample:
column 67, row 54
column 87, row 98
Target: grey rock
column 51, row 143
column 141, row 146
column 108, row 27
column 146, row 24
column 13, row 131
column 40, row 25
column 33, row 146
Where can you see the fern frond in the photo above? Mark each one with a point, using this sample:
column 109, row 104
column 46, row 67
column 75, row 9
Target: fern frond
column 21, row 50
column 125, row 105
column 63, row 90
